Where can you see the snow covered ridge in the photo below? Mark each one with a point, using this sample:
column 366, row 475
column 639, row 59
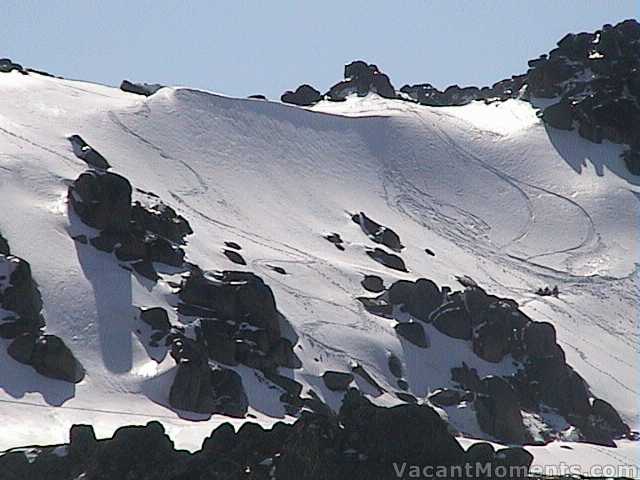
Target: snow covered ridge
column 209, row 260
column 591, row 77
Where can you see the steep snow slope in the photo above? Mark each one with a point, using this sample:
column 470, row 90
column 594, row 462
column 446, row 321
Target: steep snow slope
column 486, row 187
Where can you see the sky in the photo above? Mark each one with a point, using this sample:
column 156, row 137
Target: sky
column 240, row 47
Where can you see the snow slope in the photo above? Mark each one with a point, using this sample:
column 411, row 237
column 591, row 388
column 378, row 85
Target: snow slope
column 486, row 187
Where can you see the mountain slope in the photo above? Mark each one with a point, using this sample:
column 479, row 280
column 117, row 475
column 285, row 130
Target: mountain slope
column 487, row 188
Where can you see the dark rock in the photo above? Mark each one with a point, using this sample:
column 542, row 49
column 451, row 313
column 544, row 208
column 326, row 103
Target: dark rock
column 414, row 433
column 53, row 359
column 559, row 116
column 372, row 283
column 257, row 96
column 235, row 257
column 230, row 397
column 516, row 461
column 277, row 269
column 21, row 295
column 540, row 340
column 191, row 388
column 287, row 384
column 478, row 456
column 218, row 336
column 492, row 338
column 304, row 96
column 454, row 322
column 11, row 329
column 446, row 397
column 157, row 318
column 82, row 442
column 413, row 332
column 387, row 259
column 233, row 245
column 22, row 348
column 146, row 89
column 428, row 251
column 608, row 418
column 377, row 232
column 337, row 381
column 102, row 200
column 395, row 366
column 498, row 411
column 377, row 306
column 362, row 78
column 87, row 153
column 4, row 246
column 282, row 354
column 467, row 377
column 161, row 220
column 403, row 384
column 631, row 159
column 81, row 239
column 146, row 269
column 6, row 66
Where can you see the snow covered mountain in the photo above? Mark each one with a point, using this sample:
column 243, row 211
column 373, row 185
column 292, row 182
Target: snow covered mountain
column 484, row 191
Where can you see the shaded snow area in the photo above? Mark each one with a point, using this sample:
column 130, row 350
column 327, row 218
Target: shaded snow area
column 487, row 189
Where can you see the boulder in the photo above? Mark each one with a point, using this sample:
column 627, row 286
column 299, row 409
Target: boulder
column 146, row 89
column 466, row 377
column 53, row 359
column 4, row 246
column 498, row 411
column 337, row 381
column 454, row 322
column 234, row 256
column 516, row 461
column 395, row 366
column 492, row 338
column 540, row 340
column 304, row 96
column 161, row 220
column 87, row 153
column 157, row 318
column 229, row 394
column 387, row 259
column 559, row 116
column 21, row 294
column 377, row 232
column 446, row 397
column 82, row 441
column 372, row 283
column 191, row 388
column 413, row 332
column 102, row 200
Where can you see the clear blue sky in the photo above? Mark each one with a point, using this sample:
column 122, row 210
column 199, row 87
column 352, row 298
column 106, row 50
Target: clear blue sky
column 239, row 47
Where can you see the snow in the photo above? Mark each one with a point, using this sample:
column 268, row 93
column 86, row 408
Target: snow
column 495, row 194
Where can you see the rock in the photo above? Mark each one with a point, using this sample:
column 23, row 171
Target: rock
column 377, row 232
column 282, row 354
column 53, row 359
column 233, row 245
column 540, row 339
column 446, row 397
column 22, row 348
column 6, row 66
column 428, row 251
column 413, row 332
column 146, row 89
column 4, row 246
column 87, row 153
column 467, row 377
column 425, row 299
column 102, row 200
column 373, row 283
column 11, row 330
column 387, row 259
column 395, row 366
column 559, row 116
column 362, row 78
column 218, row 337
column 498, row 411
column 336, row 240
column 631, row 159
column 191, row 388
column 289, row 385
column 377, row 306
column 337, row 381
column 609, row 418
column 454, row 322
column 82, row 442
column 235, row 257
column 414, row 433
column 304, row 96
column 157, row 318
column 401, row 292
column 516, row 461
column 478, row 456
column 277, row 269
column 21, row 294
column 257, row 96
column 161, row 220
column 230, row 397
column 146, row 269
column 492, row 338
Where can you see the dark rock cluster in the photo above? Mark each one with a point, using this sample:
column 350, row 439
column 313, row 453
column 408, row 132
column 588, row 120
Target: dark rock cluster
column 6, row 66
column 596, row 77
column 378, row 233
column 497, row 330
column 134, row 232
column 145, row 89
column 361, row 442
column 30, row 345
column 593, row 76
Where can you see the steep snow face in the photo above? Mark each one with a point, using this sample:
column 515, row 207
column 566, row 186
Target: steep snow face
column 487, row 188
